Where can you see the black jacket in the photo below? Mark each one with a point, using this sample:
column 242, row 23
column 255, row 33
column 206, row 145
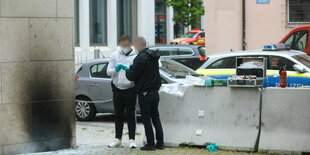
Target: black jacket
column 145, row 71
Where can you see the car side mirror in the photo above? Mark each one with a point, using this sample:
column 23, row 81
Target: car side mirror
column 299, row 68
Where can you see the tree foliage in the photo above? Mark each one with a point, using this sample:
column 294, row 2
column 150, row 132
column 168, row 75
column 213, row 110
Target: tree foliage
column 187, row 12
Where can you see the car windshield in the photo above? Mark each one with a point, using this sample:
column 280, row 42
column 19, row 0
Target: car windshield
column 175, row 69
column 189, row 35
column 304, row 59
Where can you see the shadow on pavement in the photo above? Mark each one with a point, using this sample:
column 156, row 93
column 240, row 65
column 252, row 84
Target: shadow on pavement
column 109, row 117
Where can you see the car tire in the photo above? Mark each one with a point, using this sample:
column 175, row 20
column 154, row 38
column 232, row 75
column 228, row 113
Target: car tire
column 84, row 109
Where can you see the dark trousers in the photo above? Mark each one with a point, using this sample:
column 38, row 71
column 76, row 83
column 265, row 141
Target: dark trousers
column 124, row 99
column 149, row 112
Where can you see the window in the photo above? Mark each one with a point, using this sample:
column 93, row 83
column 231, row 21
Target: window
column 202, row 35
column 97, row 19
column 278, row 62
column 304, row 59
column 160, row 21
column 223, row 63
column 76, row 23
column 124, row 18
column 165, row 51
column 299, row 11
column 99, row 70
column 298, row 40
column 185, row 51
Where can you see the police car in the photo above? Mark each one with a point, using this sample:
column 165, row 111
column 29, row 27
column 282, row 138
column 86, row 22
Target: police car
column 297, row 64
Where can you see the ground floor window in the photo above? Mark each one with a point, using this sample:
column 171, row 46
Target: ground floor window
column 160, row 22
column 98, row 21
column 299, row 11
column 76, row 23
column 124, row 14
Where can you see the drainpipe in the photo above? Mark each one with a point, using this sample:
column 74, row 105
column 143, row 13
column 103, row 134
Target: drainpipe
column 243, row 25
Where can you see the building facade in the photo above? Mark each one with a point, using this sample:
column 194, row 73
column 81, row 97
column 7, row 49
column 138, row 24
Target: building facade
column 100, row 23
column 37, row 88
column 252, row 23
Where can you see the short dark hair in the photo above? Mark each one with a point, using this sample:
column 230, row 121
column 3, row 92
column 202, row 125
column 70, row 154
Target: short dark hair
column 125, row 37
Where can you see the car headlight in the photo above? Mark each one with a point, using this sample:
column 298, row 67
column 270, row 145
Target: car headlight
column 183, row 42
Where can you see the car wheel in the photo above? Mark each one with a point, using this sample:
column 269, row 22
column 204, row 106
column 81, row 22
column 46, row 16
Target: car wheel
column 85, row 110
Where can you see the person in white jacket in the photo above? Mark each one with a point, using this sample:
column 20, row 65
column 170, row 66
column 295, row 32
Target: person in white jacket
column 124, row 96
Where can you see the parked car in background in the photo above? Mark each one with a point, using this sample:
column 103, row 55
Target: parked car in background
column 298, row 38
column 193, row 37
column 93, row 85
column 192, row 56
column 223, row 65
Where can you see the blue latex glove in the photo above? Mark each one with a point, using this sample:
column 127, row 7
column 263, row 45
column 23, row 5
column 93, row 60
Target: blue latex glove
column 118, row 68
column 124, row 67
column 213, row 147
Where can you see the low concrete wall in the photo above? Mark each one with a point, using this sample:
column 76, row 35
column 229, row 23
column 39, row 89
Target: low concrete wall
column 224, row 115
column 285, row 120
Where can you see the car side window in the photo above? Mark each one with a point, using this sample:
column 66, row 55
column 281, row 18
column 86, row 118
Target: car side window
column 202, row 35
column 99, row 70
column 225, row 63
column 298, row 40
column 185, row 51
column 165, row 51
column 277, row 62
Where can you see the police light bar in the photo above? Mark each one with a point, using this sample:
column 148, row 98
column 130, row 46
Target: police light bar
column 276, row 47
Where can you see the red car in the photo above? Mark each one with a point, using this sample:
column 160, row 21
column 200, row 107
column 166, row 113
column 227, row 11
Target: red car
column 298, row 39
column 193, row 37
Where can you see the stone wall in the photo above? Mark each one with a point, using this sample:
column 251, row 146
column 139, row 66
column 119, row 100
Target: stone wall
column 36, row 75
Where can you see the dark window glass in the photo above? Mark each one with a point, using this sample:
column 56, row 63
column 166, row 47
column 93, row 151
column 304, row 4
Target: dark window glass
column 185, row 51
column 279, row 62
column 97, row 19
column 99, row 70
column 123, row 18
column 224, row 63
column 298, row 40
column 299, row 11
column 76, row 23
column 165, row 51
column 202, row 35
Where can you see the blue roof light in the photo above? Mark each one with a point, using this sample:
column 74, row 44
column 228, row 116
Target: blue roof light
column 276, row 47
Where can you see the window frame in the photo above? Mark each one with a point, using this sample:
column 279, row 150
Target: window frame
column 288, row 15
column 222, row 59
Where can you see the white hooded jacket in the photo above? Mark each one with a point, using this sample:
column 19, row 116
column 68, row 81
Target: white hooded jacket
column 119, row 78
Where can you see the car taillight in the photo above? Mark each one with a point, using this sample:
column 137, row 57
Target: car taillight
column 76, row 78
column 202, row 58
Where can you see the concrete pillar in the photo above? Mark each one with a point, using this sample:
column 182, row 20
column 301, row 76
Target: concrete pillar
column 112, row 24
column 84, row 24
column 146, row 20
column 37, row 76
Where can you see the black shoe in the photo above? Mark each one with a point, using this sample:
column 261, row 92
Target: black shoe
column 148, row 147
column 160, row 146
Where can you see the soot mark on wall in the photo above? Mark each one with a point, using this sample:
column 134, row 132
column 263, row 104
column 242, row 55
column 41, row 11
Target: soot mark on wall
column 50, row 118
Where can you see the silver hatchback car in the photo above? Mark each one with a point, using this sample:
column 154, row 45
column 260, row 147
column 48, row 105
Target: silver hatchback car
column 93, row 85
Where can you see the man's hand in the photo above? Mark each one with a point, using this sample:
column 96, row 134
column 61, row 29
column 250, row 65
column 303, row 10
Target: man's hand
column 124, row 67
column 118, row 68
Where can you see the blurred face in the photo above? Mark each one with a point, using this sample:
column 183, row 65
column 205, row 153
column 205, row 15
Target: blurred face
column 138, row 46
column 125, row 44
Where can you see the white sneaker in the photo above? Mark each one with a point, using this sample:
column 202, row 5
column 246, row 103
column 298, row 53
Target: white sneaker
column 132, row 144
column 115, row 143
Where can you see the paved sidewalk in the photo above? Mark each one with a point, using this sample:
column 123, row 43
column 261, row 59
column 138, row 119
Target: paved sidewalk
column 93, row 139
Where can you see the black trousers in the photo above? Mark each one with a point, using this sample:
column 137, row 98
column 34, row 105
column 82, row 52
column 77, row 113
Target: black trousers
column 124, row 100
column 149, row 111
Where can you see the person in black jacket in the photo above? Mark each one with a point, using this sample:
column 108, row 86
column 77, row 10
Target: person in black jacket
column 145, row 74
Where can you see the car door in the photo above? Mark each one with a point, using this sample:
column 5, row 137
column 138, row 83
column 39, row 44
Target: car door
column 294, row 79
column 186, row 56
column 220, row 69
column 100, row 87
column 201, row 39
